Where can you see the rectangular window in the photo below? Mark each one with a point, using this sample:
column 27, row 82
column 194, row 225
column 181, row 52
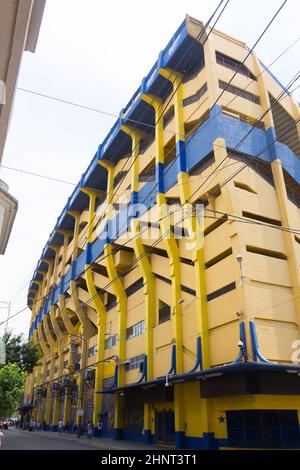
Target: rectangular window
column 221, row 291
column 263, row 428
column 111, row 302
column 134, row 362
column 137, row 285
column 110, row 342
column 196, row 97
column 92, row 351
column 164, row 313
column 202, row 165
column 148, row 173
column 145, row 144
column 218, row 258
column 215, row 224
column 233, row 64
column 266, row 252
column 135, row 330
column 239, row 92
column 261, row 218
column 168, row 116
column 119, row 177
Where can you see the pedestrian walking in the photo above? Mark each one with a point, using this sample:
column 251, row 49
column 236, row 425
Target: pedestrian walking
column 90, row 430
column 1, row 438
column 79, row 431
column 99, row 428
column 60, row 427
column 66, row 427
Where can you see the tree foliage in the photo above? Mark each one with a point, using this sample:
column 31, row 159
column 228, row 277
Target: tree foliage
column 25, row 355
column 12, row 380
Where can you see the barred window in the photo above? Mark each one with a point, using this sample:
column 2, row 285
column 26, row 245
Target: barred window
column 134, row 362
column 135, row 330
column 92, row 351
column 233, row 64
column 193, row 98
column 168, row 116
column 110, row 342
column 148, row 173
column 119, row 177
column 239, row 92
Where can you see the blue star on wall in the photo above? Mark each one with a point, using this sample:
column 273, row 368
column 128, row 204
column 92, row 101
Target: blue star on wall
column 221, row 419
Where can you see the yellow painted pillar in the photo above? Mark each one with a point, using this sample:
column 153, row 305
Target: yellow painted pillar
column 121, row 297
column 194, row 226
column 80, row 380
column 143, row 260
column 55, row 418
column 49, row 393
column 40, row 335
column 67, row 401
column 76, row 216
column 174, row 260
column 233, row 206
column 211, row 72
column 145, row 267
column 263, row 94
column 61, row 302
column 98, row 305
column 53, row 281
column 289, row 238
column 37, row 375
column 40, row 416
column 167, row 234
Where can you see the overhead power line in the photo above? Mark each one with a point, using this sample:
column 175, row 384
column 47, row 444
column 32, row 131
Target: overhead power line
column 52, row 178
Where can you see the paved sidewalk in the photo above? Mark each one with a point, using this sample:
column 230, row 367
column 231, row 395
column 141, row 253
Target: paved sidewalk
column 95, row 442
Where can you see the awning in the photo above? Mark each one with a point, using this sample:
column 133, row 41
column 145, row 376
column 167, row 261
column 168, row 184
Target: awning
column 211, row 373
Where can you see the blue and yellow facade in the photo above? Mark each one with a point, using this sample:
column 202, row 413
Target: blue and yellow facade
column 167, row 325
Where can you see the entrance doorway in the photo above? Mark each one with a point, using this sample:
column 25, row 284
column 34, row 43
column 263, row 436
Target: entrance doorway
column 165, row 427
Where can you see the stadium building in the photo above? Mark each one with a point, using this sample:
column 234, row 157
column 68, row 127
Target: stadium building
column 166, row 301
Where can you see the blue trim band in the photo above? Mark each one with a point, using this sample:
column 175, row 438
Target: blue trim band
column 160, row 167
column 181, row 153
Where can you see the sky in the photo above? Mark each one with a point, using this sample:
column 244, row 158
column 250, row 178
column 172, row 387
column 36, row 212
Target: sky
column 96, row 53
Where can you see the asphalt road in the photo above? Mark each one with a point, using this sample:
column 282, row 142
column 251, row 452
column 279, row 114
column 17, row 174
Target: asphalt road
column 24, row 440
column 15, row 439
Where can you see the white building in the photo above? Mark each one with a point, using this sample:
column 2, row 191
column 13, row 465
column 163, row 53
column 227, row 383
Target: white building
column 20, row 22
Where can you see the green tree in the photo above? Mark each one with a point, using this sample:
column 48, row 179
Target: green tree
column 25, row 354
column 12, row 380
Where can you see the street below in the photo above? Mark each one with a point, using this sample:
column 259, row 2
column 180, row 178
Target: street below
column 15, row 439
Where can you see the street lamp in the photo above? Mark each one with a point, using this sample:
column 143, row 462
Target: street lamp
column 239, row 259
